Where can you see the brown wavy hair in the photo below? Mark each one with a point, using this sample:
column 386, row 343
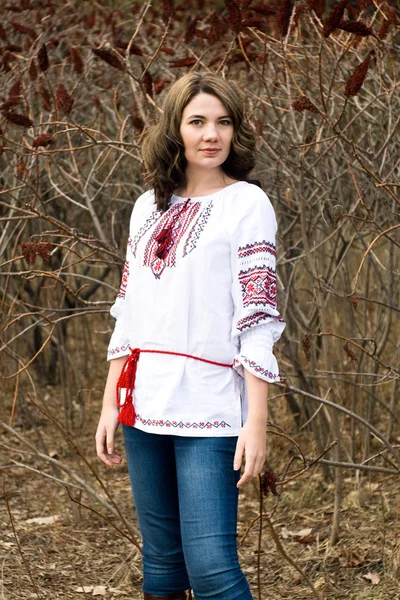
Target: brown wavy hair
column 164, row 161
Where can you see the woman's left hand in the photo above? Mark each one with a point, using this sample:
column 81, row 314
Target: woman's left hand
column 252, row 442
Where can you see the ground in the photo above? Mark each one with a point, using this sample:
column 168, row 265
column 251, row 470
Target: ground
column 81, row 554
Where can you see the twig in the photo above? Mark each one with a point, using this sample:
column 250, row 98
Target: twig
column 282, row 550
column 26, row 565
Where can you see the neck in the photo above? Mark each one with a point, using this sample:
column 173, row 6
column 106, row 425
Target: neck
column 198, row 182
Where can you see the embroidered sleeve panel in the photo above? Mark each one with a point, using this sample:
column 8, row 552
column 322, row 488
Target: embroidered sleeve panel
column 253, row 261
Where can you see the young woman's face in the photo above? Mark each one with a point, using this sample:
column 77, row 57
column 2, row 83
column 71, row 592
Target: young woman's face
column 207, row 131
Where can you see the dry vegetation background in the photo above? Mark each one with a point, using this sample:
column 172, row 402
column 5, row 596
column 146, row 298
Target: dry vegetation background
column 80, row 82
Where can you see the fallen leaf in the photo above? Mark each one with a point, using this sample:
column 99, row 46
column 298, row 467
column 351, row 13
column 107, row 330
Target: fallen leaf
column 319, row 583
column 302, row 532
column 373, row 577
column 284, row 533
column 85, row 589
column 99, row 590
column 307, row 539
column 6, row 544
column 43, row 520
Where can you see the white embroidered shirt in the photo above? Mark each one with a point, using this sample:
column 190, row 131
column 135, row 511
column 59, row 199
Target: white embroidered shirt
column 213, row 296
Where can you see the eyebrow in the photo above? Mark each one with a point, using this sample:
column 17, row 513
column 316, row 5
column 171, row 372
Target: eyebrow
column 202, row 117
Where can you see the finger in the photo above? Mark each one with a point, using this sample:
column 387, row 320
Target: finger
column 110, row 441
column 237, row 461
column 101, row 449
column 100, row 442
column 244, row 479
column 248, row 472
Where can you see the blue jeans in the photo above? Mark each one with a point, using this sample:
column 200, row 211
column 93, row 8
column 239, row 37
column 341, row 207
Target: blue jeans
column 186, row 501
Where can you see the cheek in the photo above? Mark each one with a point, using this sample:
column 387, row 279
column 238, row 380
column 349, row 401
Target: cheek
column 228, row 138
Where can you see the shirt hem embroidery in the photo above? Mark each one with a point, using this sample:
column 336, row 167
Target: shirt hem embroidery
column 182, row 424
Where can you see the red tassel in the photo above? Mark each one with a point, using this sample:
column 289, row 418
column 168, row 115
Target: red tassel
column 127, row 415
column 163, row 239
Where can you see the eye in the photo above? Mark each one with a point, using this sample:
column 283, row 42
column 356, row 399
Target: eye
column 226, row 122
column 195, row 122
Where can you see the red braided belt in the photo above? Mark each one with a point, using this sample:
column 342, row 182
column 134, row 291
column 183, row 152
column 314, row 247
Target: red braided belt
column 127, row 415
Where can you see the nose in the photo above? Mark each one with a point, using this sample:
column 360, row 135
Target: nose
column 210, row 133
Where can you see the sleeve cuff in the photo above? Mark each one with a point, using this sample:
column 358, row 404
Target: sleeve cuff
column 117, row 351
column 256, row 354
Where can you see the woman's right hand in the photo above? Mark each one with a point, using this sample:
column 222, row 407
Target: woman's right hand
column 108, row 422
column 105, row 433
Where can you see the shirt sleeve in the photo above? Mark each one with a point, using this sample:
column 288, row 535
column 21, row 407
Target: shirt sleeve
column 257, row 324
column 119, row 342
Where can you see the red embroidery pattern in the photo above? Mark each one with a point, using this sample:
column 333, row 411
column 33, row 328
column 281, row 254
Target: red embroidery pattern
column 196, row 230
column 124, row 281
column 257, row 368
column 258, row 285
column 256, row 248
column 181, row 225
column 118, row 350
column 251, row 320
column 133, row 242
column 181, row 424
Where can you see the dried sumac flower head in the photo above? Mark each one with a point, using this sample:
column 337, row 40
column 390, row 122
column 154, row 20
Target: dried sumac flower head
column 356, row 27
column 76, row 57
column 216, row 29
column 234, row 15
column 91, row 20
column 283, row 16
column 268, row 483
column 64, row 100
column 183, row 62
column 264, row 9
column 30, row 250
column 318, row 6
column 148, row 83
column 137, row 121
column 354, row 302
column 16, row 90
column 169, row 10
column 334, row 18
column 391, row 19
column 160, row 85
column 306, row 345
column 32, row 70
column 43, row 58
column 21, row 168
column 304, row 103
column 356, row 79
column 191, row 30
column 24, row 29
column 43, row 140
column 110, row 57
column 17, row 118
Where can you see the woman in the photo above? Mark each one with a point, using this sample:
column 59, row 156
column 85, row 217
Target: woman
column 191, row 353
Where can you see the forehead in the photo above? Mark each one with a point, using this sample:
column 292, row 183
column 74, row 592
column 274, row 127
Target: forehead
column 206, row 105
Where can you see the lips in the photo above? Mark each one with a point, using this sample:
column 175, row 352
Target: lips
column 210, row 151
